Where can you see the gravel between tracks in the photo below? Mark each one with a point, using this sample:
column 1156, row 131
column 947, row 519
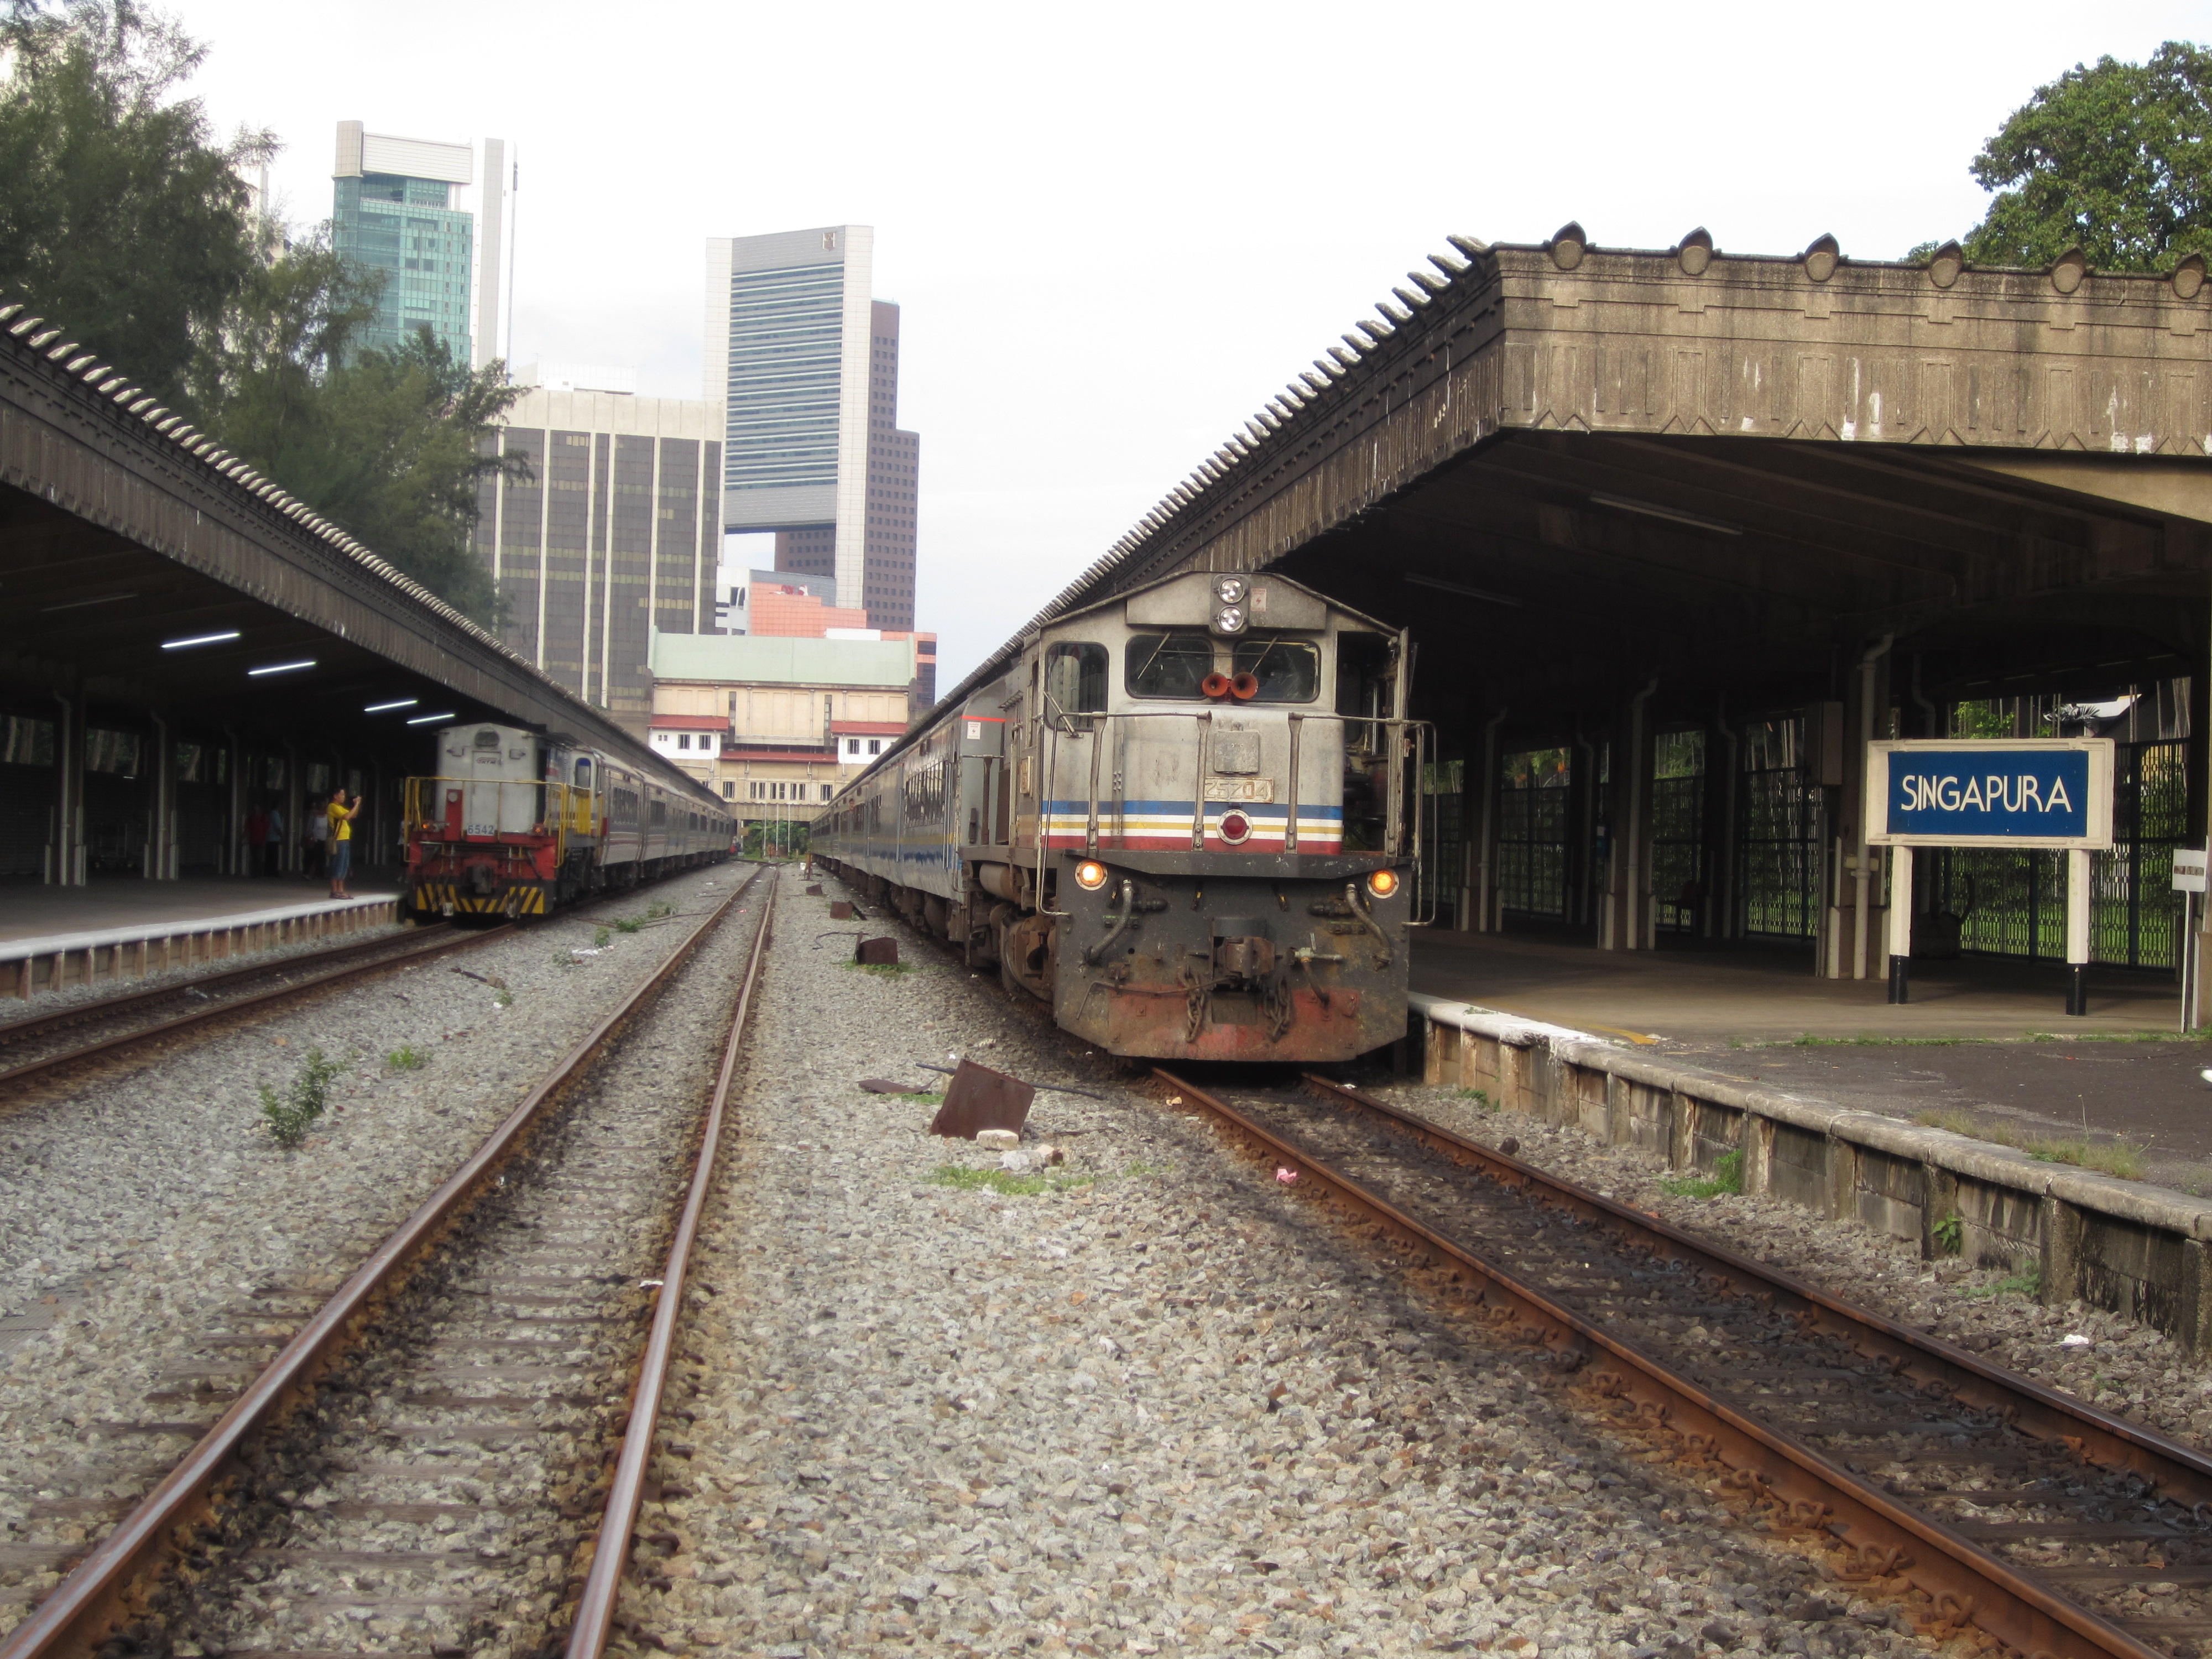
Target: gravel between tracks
column 143, row 1206
column 2125, row 1368
column 1169, row 1411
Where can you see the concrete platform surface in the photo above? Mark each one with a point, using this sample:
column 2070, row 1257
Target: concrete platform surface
column 1984, row 1045
column 112, row 902
column 1766, row 993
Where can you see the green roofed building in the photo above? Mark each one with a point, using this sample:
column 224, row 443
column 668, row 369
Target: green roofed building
column 775, row 724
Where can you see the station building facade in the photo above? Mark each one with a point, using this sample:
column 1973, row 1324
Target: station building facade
column 776, row 725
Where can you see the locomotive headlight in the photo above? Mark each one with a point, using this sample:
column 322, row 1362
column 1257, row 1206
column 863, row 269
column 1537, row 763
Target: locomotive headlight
column 1382, row 883
column 1229, row 619
column 1090, row 875
column 1229, row 590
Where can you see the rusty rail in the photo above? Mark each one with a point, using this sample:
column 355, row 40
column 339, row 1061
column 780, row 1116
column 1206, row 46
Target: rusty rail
column 1954, row 1572
column 16, row 1030
column 122, row 1040
column 595, row 1610
column 107, row 1587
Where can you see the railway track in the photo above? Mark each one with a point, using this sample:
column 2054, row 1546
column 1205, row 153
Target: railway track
column 52, row 1042
column 418, row 1467
column 2056, row 1528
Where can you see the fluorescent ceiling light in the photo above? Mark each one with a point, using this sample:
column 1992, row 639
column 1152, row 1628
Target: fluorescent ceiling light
column 1469, row 592
column 281, row 667
column 79, row 604
column 428, row 719
column 385, row 708
column 1653, row 510
column 199, row 639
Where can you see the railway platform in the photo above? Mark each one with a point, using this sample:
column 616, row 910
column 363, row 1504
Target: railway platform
column 1984, row 1045
column 115, row 928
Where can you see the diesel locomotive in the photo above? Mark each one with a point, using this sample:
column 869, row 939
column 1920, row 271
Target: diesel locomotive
column 512, row 825
column 1187, row 818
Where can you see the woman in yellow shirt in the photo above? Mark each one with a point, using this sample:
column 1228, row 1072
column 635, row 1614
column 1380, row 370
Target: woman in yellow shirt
column 341, row 817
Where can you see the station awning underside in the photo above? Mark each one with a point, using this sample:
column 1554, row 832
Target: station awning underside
column 1553, row 571
column 122, row 530
column 1572, row 470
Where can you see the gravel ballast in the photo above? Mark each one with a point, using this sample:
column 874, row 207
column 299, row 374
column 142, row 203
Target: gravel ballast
column 145, row 1206
column 2128, row 1369
column 1146, row 1401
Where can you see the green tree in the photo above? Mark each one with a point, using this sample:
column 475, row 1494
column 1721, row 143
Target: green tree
column 2115, row 160
column 120, row 218
column 124, row 222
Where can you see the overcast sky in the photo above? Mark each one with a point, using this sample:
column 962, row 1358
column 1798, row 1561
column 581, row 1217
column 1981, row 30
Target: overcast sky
column 1115, row 232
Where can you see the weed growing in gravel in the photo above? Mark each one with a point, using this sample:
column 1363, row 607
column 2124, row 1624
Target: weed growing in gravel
column 599, row 937
column 1139, row 1169
column 1483, row 1101
column 1950, row 1235
column 1005, row 1181
column 1726, row 1177
column 629, row 923
column 2028, row 1284
column 2122, row 1158
column 290, row 1118
column 658, row 909
column 887, row 970
column 406, row 1058
column 1808, row 1040
column 922, row 1096
column 503, row 997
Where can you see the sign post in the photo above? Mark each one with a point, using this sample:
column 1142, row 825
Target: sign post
column 2189, row 882
column 1985, row 792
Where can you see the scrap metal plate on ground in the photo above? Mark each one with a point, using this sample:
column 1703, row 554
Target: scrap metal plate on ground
column 841, row 910
column 877, row 953
column 814, row 889
column 980, row 1098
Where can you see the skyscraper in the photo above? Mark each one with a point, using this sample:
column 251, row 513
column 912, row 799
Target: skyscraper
column 394, row 211
column 806, row 362
column 614, row 535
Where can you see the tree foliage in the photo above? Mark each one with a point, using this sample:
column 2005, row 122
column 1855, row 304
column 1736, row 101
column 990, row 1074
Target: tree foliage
column 118, row 215
column 122, row 221
column 2114, row 159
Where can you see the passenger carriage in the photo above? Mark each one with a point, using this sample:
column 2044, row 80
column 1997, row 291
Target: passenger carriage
column 1185, row 817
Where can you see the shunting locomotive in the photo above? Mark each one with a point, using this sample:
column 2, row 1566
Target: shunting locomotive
column 513, row 823
column 1186, row 816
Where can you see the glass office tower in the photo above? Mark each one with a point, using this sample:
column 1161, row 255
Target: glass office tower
column 394, row 212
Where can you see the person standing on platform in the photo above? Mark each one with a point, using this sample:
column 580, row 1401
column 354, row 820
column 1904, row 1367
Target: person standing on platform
column 315, row 827
column 257, row 837
column 341, row 817
column 276, row 841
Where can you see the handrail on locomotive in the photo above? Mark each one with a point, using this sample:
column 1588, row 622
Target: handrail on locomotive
column 1405, row 745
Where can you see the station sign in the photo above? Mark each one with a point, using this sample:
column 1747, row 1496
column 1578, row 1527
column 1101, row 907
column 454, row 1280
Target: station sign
column 2188, row 869
column 1990, row 792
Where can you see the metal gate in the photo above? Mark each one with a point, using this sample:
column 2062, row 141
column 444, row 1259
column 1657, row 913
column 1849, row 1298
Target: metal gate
column 1532, row 821
column 1442, row 784
column 1678, row 831
column 2014, row 904
column 1778, row 834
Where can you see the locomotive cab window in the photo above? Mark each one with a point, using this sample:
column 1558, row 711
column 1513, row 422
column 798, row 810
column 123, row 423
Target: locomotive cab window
column 1168, row 665
column 1288, row 670
column 1075, row 684
column 583, row 774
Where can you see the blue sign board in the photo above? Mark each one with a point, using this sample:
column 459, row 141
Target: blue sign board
column 1968, row 792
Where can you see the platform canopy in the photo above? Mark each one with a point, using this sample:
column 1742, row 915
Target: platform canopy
column 1594, row 465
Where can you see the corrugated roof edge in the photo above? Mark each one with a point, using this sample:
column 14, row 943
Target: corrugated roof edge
column 1474, row 261
column 25, row 334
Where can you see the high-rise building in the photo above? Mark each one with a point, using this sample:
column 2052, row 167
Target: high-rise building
column 805, row 361
column 616, row 533
column 397, row 209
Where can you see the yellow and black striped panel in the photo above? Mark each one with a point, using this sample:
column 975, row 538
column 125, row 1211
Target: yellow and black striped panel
column 442, row 897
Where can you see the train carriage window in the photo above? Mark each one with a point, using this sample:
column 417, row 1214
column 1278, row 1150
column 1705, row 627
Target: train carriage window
column 583, row 774
column 1288, row 670
column 1075, row 684
column 1167, row 664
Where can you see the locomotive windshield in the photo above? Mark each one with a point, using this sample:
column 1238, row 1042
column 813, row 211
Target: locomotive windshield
column 1168, row 665
column 1075, row 681
column 1288, row 670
